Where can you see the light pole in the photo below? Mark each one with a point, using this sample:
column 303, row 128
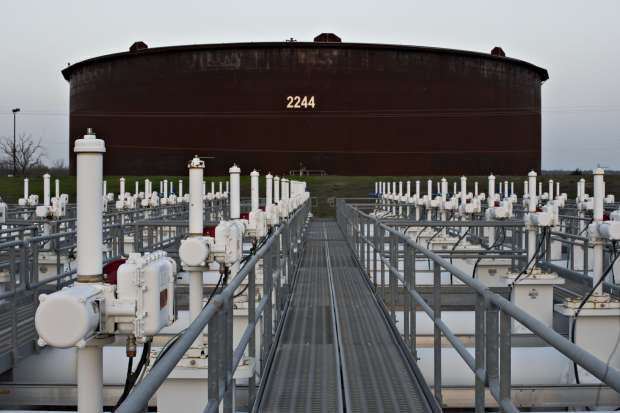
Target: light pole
column 14, row 147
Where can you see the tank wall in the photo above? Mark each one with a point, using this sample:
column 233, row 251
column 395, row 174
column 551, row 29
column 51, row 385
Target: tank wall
column 377, row 112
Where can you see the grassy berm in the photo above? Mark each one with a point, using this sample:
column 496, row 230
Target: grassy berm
column 324, row 189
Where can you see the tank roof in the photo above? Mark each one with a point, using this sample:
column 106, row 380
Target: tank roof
column 295, row 44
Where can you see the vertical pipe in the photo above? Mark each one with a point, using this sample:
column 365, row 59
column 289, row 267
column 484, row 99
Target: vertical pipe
column 89, row 180
column 165, row 188
column 234, row 195
column 526, row 190
column 557, row 188
column 196, row 173
column 269, row 190
column 540, row 188
column 254, row 194
column 89, row 161
column 463, row 190
column 400, row 188
column 105, row 188
column 285, row 189
column 476, row 188
column 491, row 188
column 57, row 189
column 180, row 188
column 90, row 377
column 512, row 188
column 212, row 187
column 221, row 191
column 531, row 232
column 500, row 190
column 26, row 188
column 276, row 189
column 505, row 189
column 551, row 195
column 597, row 217
column 46, row 189
column 227, row 187
column 204, row 188
column 121, row 194
column 137, row 188
column 408, row 190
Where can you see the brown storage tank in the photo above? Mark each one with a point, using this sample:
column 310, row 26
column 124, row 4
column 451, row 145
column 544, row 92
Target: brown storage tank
column 341, row 108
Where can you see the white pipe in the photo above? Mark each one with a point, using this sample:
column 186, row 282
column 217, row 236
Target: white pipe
column 408, row 189
column 89, row 179
column 180, row 188
column 597, row 217
column 147, row 188
column 26, row 188
column 136, row 188
column 476, row 188
column 429, row 189
column 204, row 188
column 417, row 189
column 540, row 188
column 212, row 187
column 57, row 185
column 165, row 188
column 196, row 175
column 269, row 190
column 90, row 378
column 491, row 185
column 46, row 189
column 254, row 194
column 286, row 189
column 505, row 189
column 531, row 232
column 444, row 188
column 276, row 189
column 227, row 186
column 550, row 190
column 512, row 188
column 454, row 190
column 557, row 188
column 526, row 190
column 235, row 195
column 171, row 188
column 105, row 188
column 220, row 187
column 400, row 188
column 500, row 189
column 463, row 190
column 121, row 194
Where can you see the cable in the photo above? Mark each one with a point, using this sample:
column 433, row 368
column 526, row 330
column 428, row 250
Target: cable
column 535, row 256
column 131, row 379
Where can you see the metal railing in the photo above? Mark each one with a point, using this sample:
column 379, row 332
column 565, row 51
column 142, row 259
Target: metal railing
column 281, row 254
column 491, row 361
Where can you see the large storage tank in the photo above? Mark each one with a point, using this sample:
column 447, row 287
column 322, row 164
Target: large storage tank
column 341, row 108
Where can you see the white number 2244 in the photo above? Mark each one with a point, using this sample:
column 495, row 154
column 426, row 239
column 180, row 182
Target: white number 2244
column 299, row 102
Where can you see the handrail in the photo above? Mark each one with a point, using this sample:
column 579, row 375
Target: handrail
column 508, row 310
column 139, row 397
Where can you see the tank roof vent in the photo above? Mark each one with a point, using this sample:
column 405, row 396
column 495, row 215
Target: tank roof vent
column 138, row 46
column 498, row 51
column 327, row 38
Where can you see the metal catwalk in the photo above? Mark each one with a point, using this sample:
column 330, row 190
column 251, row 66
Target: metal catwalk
column 336, row 350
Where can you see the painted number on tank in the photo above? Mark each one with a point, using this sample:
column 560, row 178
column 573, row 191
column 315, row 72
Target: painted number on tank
column 300, row 102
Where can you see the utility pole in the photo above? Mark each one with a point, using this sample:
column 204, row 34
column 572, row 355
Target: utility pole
column 14, row 142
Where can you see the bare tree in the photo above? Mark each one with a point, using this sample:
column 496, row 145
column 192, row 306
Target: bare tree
column 28, row 152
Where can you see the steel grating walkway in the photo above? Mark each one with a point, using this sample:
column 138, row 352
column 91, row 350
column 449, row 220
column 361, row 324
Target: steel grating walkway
column 337, row 351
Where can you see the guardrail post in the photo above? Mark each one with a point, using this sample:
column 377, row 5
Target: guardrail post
column 228, row 356
column 268, row 270
column 252, row 343
column 479, row 343
column 393, row 281
column 437, row 331
column 214, row 339
column 376, row 264
column 409, row 307
column 504, row 357
column 492, row 344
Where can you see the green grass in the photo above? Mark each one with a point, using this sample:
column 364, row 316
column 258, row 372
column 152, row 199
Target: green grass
column 324, row 189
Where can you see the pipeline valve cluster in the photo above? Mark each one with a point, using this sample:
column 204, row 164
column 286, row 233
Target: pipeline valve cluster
column 139, row 304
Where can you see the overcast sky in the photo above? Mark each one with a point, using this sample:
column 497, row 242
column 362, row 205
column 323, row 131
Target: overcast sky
column 576, row 41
